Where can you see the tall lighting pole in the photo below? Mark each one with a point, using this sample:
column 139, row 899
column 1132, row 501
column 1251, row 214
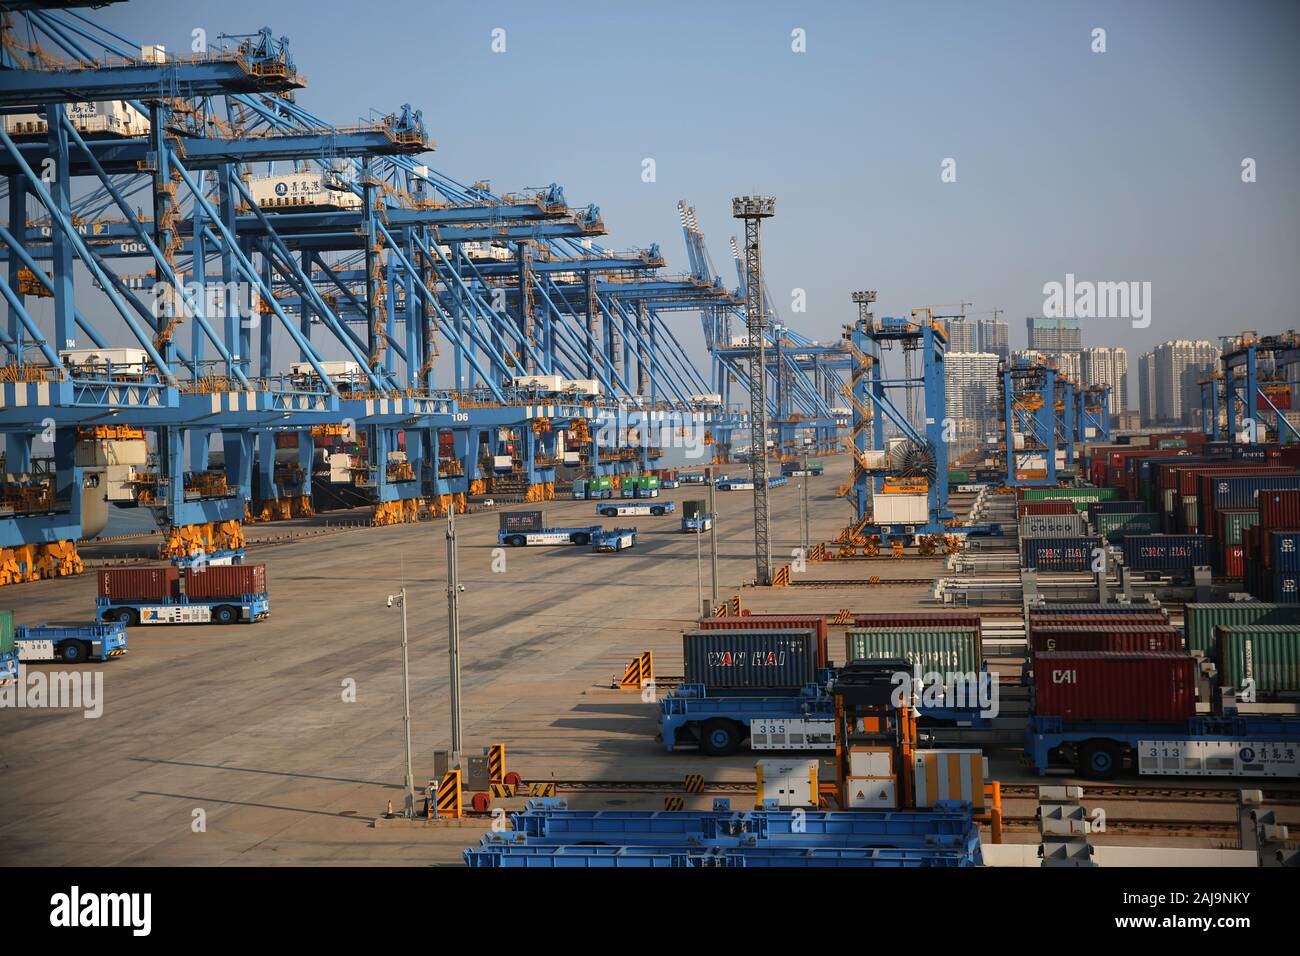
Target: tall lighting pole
column 713, row 542
column 453, row 633
column 400, row 600
column 753, row 210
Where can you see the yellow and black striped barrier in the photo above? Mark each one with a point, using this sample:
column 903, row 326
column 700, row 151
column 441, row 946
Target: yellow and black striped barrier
column 674, row 803
column 449, row 795
column 735, row 605
column 640, row 672
column 720, row 610
column 818, row 553
column 541, row 789
column 496, row 754
column 845, row 616
column 782, row 579
column 501, row 790
column 695, row 783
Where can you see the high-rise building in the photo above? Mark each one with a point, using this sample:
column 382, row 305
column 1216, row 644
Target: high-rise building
column 994, row 335
column 1107, row 366
column 1147, row 400
column 970, row 386
column 961, row 335
column 1068, row 363
column 1053, row 336
column 1169, row 379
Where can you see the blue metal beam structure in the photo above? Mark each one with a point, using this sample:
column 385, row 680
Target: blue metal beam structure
column 222, row 206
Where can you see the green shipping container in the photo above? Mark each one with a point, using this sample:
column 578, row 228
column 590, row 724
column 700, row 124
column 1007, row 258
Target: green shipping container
column 6, row 632
column 958, row 476
column 932, row 648
column 1082, row 497
column 1267, row 654
column 692, row 508
column 1235, row 522
column 1113, row 527
column 601, row 482
column 1200, row 620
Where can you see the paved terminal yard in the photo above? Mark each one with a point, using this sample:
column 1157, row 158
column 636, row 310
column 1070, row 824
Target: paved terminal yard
column 236, row 745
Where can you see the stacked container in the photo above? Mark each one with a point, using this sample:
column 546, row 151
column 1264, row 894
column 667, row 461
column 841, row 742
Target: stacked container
column 140, row 584
column 1059, row 554
column 1266, row 655
column 1052, row 526
column 1165, row 552
column 758, row 660
column 927, row 648
column 1114, row 687
column 225, row 582
column 778, row 622
column 1200, row 620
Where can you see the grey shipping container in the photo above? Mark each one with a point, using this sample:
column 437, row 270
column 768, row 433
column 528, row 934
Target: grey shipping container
column 521, row 521
column 929, row 648
column 694, row 507
column 1051, row 526
column 1116, row 526
column 756, row 660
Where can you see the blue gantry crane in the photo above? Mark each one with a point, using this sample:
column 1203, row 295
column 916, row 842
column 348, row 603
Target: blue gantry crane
column 270, row 286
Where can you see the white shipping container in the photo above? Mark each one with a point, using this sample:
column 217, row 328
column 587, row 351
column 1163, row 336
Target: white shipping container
column 334, row 369
column 875, row 459
column 900, row 509
column 588, row 386
column 539, row 383
column 92, row 361
column 103, row 118
column 706, row 398
column 105, row 452
column 340, row 468
column 302, row 191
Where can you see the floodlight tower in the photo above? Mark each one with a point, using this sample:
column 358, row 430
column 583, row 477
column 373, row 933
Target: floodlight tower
column 753, row 210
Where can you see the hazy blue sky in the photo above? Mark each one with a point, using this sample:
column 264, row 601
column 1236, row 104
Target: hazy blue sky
column 1123, row 165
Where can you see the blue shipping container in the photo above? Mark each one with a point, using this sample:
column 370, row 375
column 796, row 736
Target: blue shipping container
column 1115, row 507
column 1286, row 587
column 1165, row 552
column 1240, row 492
column 1285, row 546
column 1059, row 554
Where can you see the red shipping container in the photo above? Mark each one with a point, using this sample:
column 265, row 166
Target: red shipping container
column 1116, row 686
column 1046, row 508
column 1080, row 622
column 225, row 581
column 1279, row 510
column 1234, row 560
column 1123, row 637
column 774, row 622
column 140, row 584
